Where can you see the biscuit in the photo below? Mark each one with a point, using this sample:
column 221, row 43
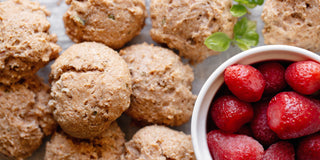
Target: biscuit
column 25, row 117
column 25, row 42
column 112, row 22
column 184, row 25
column 161, row 85
column 159, row 142
column 109, row 145
column 91, row 87
column 294, row 23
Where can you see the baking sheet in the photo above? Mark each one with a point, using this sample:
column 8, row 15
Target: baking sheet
column 201, row 71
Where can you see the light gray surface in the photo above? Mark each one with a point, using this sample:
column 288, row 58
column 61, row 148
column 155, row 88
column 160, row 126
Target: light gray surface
column 201, row 71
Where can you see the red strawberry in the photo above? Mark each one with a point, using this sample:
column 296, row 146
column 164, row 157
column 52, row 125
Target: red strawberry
column 273, row 74
column 229, row 113
column 304, row 77
column 226, row 146
column 280, row 151
column 259, row 125
column 245, row 82
column 292, row 115
column 309, row 148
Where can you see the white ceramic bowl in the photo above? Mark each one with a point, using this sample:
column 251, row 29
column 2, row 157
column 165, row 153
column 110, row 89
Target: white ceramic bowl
column 214, row 82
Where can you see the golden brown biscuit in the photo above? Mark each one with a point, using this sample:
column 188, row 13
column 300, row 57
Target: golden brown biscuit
column 108, row 146
column 25, row 117
column 112, row 22
column 25, row 42
column 185, row 24
column 293, row 23
column 91, row 87
column 159, row 143
column 161, row 85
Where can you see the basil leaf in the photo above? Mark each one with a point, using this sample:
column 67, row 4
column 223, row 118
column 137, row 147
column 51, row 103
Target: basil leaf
column 252, row 25
column 251, row 6
column 256, row 2
column 245, row 34
column 242, row 1
column 238, row 10
column 240, row 27
column 242, row 46
column 250, row 38
column 218, row 42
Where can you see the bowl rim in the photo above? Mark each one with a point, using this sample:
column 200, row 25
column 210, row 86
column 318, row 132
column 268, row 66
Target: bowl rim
column 198, row 119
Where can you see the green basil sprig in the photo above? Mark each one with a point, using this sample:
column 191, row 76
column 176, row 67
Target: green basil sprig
column 244, row 31
column 244, row 35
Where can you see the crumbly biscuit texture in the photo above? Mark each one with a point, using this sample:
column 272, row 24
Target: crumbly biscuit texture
column 25, row 117
column 91, row 87
column 25, row 42
column 292, row 22
column 161, row 85
column 159, row 143
column 109, row 145
column 112, row 22
column 184, row 25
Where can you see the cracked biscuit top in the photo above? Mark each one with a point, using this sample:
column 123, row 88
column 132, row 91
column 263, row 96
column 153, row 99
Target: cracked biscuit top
column 91, row 87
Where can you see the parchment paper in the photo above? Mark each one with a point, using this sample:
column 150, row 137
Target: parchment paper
column 201, row 71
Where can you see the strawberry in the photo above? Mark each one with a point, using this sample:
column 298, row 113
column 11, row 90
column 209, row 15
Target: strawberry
column 245, row 82
column 225, row 146
column 259, row 125
column 280, row 151
column 291, row 115
column 309, row 148
column 229, row 113
column 273, row 74
column 304, row 77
